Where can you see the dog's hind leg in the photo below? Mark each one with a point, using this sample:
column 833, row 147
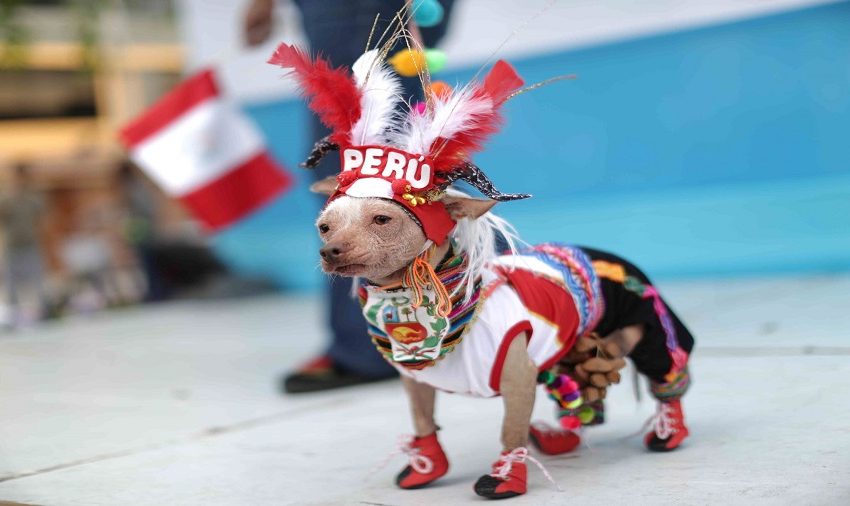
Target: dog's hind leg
column 517, row 386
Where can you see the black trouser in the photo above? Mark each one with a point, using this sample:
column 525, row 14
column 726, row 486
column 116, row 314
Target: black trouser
column 339, row 30
column 625, row 307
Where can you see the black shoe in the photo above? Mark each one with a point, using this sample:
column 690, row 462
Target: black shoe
column 487, row 485
column 322, row 374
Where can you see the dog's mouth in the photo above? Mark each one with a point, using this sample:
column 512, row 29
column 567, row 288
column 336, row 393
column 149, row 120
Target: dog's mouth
column 347, row 269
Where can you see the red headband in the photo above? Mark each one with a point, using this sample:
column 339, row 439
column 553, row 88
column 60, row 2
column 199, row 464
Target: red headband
column 390, row 173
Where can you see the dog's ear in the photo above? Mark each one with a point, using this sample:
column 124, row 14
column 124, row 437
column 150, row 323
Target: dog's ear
column 327, row 186
column 466, row 207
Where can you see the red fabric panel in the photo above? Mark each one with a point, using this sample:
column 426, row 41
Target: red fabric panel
column 434, row 217
column 238, row 192
column 502, row 352
column 547, row 299
column 175, row 103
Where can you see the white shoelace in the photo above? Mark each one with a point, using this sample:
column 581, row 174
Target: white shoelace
column 520, row 455
column 420, row 463
column 663, row 423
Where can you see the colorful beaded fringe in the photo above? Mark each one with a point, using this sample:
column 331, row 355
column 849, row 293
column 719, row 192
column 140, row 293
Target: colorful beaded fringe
column 572, row 412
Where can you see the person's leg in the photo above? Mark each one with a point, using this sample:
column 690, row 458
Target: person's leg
column 339, row 30
column 26, row 280
column 350, row 358
column 10, row 289
column 350, row 348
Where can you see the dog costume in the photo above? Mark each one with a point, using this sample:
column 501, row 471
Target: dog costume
column 450, row 327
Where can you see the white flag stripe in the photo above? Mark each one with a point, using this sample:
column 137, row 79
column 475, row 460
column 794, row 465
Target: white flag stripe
column 204, row 143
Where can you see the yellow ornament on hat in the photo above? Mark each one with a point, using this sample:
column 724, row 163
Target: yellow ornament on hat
column 408, row 62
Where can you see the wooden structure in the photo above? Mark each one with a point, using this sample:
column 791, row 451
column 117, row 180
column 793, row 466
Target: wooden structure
column 74, row 159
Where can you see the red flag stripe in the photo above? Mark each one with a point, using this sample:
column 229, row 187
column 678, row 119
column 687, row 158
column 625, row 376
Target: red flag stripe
column 186, row 95
column 238, row 192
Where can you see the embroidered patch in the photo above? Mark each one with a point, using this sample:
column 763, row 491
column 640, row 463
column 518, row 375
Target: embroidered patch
column 415, row 333
column 459, row 319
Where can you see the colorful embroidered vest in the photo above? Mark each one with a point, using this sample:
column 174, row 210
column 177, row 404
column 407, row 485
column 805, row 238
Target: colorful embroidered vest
column 416, row 337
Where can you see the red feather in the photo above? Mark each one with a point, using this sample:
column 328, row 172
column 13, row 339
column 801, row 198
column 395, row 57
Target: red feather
column 502, row 81
column 448, row 153
column 332, row 93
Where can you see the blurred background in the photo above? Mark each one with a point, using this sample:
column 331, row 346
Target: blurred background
column 144, row 330
column 700, row 138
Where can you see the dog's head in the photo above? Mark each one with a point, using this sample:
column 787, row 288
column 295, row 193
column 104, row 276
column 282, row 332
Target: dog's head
column 377, row 238
column 388, row 203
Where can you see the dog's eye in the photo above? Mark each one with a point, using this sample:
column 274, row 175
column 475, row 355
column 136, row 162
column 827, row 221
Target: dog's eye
column 381, row 219
column 323, row 228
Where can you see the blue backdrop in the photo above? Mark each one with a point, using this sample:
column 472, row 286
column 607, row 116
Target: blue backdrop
column 715, row 151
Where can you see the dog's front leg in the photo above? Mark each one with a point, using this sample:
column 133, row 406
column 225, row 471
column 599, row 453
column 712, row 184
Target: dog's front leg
column 518, row 384
column 421, row 398
column 427, row 459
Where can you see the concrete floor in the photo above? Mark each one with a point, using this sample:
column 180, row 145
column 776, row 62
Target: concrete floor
column 178, row 405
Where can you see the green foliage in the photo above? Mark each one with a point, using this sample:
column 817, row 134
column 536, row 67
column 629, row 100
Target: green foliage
column 13, row 35
column 87, row 13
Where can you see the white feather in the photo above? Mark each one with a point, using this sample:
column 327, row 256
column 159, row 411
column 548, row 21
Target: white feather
column 380, row 92
column 477, row 238
column 459, row 112
column 411, row 137
column 449, row 116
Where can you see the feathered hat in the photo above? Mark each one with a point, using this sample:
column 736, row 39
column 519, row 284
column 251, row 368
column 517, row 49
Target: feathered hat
column 409, row 157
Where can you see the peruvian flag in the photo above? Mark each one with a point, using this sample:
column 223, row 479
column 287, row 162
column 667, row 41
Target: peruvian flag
column 201, row 149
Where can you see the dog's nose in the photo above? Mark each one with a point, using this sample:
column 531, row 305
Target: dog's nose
column 330, row 252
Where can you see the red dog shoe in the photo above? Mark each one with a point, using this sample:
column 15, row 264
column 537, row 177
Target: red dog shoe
column 427, row 462
column 510, row 475
column 552, row 441
column 669, row 429
column 508, row 479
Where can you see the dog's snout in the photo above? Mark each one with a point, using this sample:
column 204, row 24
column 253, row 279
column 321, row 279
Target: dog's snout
column 330, row 252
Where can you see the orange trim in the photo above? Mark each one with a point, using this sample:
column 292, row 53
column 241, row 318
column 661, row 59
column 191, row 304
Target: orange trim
column 614, row 272
column 502, row 352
